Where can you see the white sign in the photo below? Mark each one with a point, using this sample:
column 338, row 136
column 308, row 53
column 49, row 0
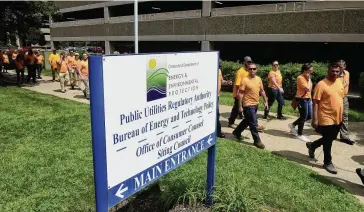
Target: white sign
column 159, row 112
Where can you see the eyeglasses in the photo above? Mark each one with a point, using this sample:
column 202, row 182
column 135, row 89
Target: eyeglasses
column 252, row 69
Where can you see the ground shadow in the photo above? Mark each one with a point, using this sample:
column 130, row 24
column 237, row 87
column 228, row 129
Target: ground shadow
column 234, row 139
column 279, row 133
column 358, row 158
column 79, row 96
column 58, row 90
column 297, row 157
column 340, row 184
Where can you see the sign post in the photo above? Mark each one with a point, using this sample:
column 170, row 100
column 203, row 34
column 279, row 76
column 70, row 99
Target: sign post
column 149, row 119
column 136, row 28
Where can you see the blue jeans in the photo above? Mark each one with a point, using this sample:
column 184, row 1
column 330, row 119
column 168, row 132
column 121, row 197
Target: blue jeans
column 250, row 119
column 274, row 94
column 305, row 109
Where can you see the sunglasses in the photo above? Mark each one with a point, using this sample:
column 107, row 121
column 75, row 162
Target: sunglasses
column 252, row 69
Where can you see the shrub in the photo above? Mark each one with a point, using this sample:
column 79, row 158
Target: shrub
column 361, row 85
column 289, row 71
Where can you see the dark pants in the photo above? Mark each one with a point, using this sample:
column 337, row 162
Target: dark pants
column 305, row 108
column 6, row 66
column 20, row 76
column 234, row 111
column 31, row 73
column 274, row 94
column 39, row 69
column 329, row 134
column 250, row 119
column 218, row 124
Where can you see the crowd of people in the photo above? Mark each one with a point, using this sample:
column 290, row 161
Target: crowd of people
column 326, row 105
column 69, row 69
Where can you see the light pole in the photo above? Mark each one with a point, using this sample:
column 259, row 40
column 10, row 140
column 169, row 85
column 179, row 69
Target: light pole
column 136, row 50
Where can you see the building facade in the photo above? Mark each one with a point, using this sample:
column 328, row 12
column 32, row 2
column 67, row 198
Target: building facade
column 210, row 22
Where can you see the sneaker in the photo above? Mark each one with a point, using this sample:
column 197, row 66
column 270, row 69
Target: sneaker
column 260, row 128
column 330, row 168
column 303, row 138
column 259, row 144
column 281, row 118
column 311, row 151
column 358, row 171
column 239, row 137
column 293, row 129
column 347, row 141
column 232, row 126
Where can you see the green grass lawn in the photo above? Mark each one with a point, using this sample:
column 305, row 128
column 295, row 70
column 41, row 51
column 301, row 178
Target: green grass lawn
column 46, row 165
column 227, row 99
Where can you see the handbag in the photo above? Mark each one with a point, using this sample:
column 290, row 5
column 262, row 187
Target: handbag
column 295, row 101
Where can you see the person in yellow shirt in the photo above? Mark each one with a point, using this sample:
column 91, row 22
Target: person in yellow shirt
column 53, row 59
column 250, row 89
column 39, row 60
column 345, row 78
column 75, row 67
column 327, row 114
column 83, row 73
column 303, row 96
column 71, row 61
column 275, row 91
column 62, row 68
column 218, row 124
column 240, row 74
column 6, row 61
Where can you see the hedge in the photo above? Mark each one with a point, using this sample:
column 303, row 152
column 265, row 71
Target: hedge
column 361, row 85
column 290, row 72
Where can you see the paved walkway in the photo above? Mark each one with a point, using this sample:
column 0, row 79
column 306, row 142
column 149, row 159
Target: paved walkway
column 277, row 139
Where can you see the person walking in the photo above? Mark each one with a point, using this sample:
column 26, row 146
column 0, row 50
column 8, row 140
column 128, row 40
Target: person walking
column 19, row 64
column 275, row 91
column 30, row 63
column 345, row 78
column 71, row 61
column 52, row 60
column 75, row 67
column 327, row 114
column 83, row 73
column 303, row 97
column 218, row 124
column 240, row 74
column 250, row 89
column 62, row 67
column 39, row 64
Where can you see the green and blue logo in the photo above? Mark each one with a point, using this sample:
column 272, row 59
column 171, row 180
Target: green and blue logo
column 157, row 75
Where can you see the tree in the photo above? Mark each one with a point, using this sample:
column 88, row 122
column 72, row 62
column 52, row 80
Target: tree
column 25, row 18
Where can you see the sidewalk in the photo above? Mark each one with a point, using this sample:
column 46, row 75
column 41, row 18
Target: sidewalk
column 276, row 138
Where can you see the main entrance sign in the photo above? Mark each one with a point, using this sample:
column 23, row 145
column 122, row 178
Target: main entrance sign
column 150, row 114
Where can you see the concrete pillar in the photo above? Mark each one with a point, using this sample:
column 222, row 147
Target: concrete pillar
column 106, row 14
column 207, row 45
column 109, row 47
column 206, row 8
column 52, row 44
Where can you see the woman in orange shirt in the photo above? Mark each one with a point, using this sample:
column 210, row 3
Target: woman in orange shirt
column 303, row 95
column 30, row 61
column 19, row 64
column 275, row 91
column 6, row 61
column 39, row 64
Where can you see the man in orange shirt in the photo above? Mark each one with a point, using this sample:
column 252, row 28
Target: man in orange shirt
column 345, row 78
column 52, row 59
column 240, row 74
column 19, row 64
column 327, row 114
column 71, row 61
column 62, row 68
column 251, row 88
column 83, row 74
column 30, row 63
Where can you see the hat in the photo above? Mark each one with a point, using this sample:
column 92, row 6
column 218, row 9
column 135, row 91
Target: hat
column 247, row 59
column 76, row 54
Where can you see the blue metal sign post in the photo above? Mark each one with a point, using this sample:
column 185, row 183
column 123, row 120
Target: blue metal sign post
column 123, row 167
